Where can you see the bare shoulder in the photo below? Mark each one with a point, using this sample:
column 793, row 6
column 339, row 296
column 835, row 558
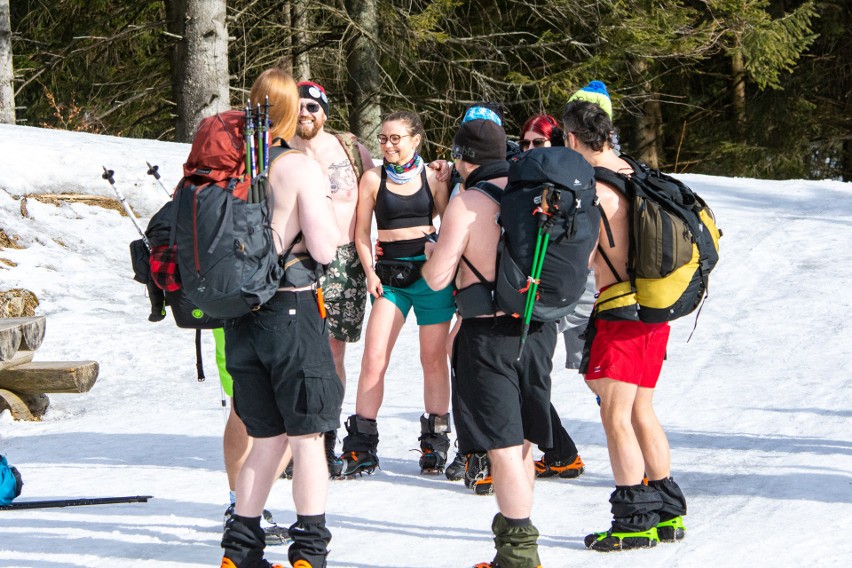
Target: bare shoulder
column 298, row 165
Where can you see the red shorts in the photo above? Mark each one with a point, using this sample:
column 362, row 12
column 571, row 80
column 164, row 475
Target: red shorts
column 628, row 351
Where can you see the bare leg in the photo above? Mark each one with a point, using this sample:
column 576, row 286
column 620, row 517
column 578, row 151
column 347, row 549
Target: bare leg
column 625, row 454
column 436, row 373
column 652, row 439
column 512, row 471
column 310, row 474
column 338, row 352
column 258, row 474
column 383, row 329
column 236, row 443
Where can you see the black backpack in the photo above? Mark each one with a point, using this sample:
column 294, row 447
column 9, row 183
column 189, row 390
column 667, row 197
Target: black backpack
column 225, row 250
column 551, row 190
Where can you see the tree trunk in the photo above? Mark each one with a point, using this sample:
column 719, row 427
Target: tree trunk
column 299, row 22
column 365, row 80
column 7, row 74
column 738, row 96
column 649, row 121
column 199, row 62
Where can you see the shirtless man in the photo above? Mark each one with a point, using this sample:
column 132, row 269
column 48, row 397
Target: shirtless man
column 622, row 363
column 499, row 404
column 344, row 285
column 281, row 351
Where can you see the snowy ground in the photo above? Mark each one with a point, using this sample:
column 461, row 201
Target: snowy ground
column 756, row 405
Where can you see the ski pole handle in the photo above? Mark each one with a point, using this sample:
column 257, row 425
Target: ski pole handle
column 108, row 175
column 154, row 171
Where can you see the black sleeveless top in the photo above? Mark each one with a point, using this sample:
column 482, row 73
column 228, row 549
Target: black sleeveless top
column 395, row 211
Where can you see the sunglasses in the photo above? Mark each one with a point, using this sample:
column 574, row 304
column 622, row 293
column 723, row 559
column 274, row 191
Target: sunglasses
column 394, row 138
column 536, row 143
column 311, row 107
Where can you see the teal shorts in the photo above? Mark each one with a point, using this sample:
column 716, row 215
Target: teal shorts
column 430, row 307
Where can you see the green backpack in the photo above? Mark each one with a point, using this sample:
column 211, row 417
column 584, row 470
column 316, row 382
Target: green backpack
column 674, row 245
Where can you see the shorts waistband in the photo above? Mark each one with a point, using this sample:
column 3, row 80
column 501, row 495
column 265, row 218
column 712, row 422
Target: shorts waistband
column 294, row 296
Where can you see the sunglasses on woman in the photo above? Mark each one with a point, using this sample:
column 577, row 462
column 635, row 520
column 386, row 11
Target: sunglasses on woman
column 536, row 143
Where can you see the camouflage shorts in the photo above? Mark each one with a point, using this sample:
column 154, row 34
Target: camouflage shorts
column 344, row 288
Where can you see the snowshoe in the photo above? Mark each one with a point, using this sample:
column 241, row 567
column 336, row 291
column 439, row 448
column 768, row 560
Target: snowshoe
column 614, row 541
column 559, row 468
column 672, row 530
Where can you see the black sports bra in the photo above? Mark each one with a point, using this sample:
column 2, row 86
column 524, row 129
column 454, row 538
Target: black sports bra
column 394, row 211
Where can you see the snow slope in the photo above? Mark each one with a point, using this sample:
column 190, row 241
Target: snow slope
column 756, row 405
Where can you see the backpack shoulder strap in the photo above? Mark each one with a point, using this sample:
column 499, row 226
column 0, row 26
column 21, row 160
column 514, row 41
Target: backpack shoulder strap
column 350, row 145
column 489, row 189
column 279, row 148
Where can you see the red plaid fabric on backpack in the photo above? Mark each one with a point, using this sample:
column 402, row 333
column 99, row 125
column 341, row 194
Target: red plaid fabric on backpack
column 164, row 270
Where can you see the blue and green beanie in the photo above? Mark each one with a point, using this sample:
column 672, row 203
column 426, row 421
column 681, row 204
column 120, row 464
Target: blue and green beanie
column 595, row 92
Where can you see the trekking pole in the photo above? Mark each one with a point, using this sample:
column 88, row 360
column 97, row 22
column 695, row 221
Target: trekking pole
column 261, row 132
column 246, row 136
column 108, row 175
column 252, row 170
column 74, row 502
column 153, row 171
column 266, row 133
column 549, row 200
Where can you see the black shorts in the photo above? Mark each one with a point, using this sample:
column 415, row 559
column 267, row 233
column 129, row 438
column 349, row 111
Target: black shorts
column 498, row 401
column 281, row 362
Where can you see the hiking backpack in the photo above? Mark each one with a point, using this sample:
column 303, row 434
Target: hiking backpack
column 551, row 191
column 226, row 255
column 674, row 245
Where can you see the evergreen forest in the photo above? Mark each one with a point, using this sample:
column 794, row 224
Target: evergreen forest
column 754, row 88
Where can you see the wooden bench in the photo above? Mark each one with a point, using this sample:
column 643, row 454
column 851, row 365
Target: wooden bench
column 24, row 384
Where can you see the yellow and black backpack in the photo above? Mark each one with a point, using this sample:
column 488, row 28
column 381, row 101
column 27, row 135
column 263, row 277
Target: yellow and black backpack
column 674, row 244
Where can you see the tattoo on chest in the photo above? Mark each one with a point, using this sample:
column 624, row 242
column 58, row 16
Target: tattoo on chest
column 342, row 177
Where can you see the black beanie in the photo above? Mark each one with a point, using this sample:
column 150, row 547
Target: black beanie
column 309, row 90
column 479, row 142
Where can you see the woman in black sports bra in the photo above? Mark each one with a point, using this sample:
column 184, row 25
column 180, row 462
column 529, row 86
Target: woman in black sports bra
column 405, row 197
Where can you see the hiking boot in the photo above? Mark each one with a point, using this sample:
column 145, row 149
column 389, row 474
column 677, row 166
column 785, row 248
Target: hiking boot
column 335, row 464
column 434, row 443
column 358, row 463
column 672, row 530
column 310, row 541
column 244, row 541
column 614, row 541
column 359, row 447
column 559, row 468
column 477, row 475
column 455, row 471
column 515, row 542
